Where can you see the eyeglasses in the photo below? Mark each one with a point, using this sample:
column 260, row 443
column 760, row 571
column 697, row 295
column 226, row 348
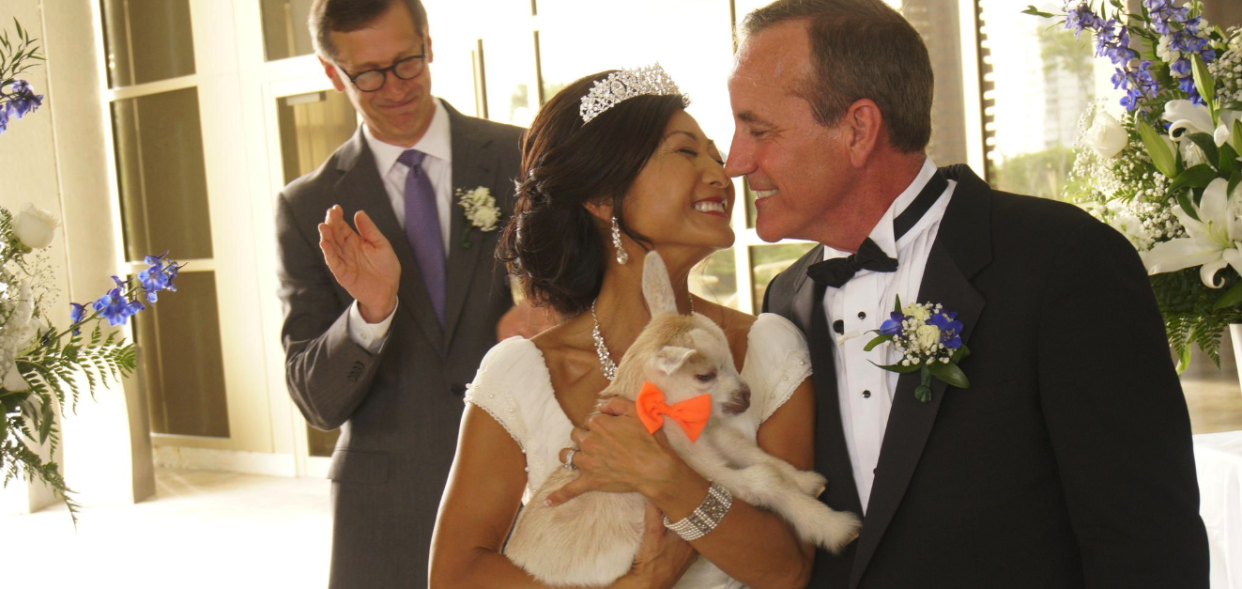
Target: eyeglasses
column 373, row 80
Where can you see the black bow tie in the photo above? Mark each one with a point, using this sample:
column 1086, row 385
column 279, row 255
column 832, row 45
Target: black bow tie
column 838, row 271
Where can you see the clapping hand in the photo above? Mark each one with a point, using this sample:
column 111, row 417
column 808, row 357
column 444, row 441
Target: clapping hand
column 363, row 262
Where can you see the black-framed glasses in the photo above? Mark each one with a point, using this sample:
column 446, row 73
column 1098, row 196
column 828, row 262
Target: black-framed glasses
column 373, row 80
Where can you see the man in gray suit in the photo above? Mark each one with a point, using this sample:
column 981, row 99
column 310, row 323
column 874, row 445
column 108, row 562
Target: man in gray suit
column 384, row 325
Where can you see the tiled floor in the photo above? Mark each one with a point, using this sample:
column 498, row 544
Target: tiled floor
column 204, row 529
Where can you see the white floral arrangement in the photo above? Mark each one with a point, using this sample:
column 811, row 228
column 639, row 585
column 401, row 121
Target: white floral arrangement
column 1166, row 172
column 480, row 209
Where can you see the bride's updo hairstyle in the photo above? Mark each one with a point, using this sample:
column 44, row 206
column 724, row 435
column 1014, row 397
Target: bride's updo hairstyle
column 554, row 245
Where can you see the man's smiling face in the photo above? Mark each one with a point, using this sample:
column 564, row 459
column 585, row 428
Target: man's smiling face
column 798, row 168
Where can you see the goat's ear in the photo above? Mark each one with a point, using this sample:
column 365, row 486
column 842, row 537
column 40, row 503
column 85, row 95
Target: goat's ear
column 657, row 288
column 670, row 358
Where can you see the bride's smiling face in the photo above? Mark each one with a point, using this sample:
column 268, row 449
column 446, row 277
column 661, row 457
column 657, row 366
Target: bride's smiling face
column 682, row 197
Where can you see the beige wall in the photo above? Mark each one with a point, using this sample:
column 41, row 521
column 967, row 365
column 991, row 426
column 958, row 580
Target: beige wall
column 1225, row 13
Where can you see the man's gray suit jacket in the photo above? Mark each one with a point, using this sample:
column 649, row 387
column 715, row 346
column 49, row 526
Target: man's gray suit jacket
column 399, row 409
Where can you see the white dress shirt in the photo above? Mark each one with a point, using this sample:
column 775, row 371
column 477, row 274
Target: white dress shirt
column 865, row 391
column 438, row 165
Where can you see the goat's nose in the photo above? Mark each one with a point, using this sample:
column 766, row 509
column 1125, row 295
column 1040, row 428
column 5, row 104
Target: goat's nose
column 745, row 394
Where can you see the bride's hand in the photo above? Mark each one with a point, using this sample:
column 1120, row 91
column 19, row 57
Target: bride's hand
column 662, row 558
column 617, row 455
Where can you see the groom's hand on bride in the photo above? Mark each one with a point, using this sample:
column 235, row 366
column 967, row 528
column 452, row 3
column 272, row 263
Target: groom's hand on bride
column 362, row 261
column 615, row 454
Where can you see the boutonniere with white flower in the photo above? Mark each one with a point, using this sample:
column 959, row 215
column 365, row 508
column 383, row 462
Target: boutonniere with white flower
column 929, row 340
column 480, row 209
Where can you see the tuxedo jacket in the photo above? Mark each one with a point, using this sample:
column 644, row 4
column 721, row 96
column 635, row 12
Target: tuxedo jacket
column 1068, row 461
column 399, row 409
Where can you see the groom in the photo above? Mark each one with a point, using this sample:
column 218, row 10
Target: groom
column 1068, row 461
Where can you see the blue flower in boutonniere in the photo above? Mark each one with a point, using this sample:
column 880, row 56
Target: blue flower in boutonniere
column 929, row 340
column 480, row 209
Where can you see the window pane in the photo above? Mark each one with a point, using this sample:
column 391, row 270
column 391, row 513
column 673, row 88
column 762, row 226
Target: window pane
column 285, row 33
column 715, row 278
column 766, row 261
column 147, row 40
column 509, row 77
column 937, row 21
column 178, row 342
column 312, row 126
column 159, row 154
column 1042, row 80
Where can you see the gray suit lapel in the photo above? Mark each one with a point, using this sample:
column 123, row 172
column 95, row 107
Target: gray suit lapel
column 474, row 165
column 361, row 184
column 962, row 248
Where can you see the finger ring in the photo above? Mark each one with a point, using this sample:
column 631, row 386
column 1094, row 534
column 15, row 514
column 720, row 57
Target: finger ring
column 569, row 459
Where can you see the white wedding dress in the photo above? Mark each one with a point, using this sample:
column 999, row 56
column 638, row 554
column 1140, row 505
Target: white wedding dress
column 514, row 387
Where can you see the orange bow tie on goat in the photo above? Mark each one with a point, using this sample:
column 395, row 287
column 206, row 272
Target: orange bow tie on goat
column 691, row 414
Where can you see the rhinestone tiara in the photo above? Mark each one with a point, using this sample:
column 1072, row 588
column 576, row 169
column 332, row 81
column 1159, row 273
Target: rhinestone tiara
column 624, row 85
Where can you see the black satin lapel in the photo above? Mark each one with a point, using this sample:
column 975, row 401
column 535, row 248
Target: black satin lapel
column 362, row 185
column 910, row 421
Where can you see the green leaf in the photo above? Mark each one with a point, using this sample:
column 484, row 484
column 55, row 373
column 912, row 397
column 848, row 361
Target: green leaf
column 1234, row 180
column 897, row 307
column 962, row 353
column 899, row 369
column 19, row 28
column 1235, row 105
column 950, row 374
column 1206, row 85
column 1197, row 177
column 1228, row 160
column 1033, row 11
column 1207, row 143
column 877, row 341
column 1236, row 138
column 1183, row 199
column 1230, row 299
column 1159, row 151
column 1183, row 359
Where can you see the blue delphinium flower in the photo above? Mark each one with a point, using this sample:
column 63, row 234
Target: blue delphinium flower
column 154, row 279
column 950, row 329
column 22, row 99
column 113, row 307
column 892, row 326
column 158, row 276
column 76, row 314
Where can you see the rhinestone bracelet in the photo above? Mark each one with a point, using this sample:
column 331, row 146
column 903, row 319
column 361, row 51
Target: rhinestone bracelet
column 705, row 517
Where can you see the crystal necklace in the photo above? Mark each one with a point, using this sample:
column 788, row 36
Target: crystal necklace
column 605, row 359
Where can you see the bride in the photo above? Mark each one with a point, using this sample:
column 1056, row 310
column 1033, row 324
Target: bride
column 609, row 171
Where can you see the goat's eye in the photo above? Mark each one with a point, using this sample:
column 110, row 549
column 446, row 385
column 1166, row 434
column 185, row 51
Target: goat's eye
column 710, row 376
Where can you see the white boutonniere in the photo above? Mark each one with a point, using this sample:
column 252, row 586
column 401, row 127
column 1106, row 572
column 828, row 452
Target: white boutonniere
column 480, row 209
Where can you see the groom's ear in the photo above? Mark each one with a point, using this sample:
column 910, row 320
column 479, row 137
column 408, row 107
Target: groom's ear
column 864, row 127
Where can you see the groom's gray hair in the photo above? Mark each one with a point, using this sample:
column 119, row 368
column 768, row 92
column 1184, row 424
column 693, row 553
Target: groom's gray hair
column 861, row 49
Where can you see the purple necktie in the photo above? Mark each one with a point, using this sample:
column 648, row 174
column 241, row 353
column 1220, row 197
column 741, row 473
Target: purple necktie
column 422, row 228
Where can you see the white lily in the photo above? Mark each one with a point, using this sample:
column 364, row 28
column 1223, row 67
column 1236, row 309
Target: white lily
column 1224, row 133
column 1187, row 117
column 1211, row 242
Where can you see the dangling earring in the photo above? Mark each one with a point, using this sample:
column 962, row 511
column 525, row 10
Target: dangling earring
column 622, row 255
